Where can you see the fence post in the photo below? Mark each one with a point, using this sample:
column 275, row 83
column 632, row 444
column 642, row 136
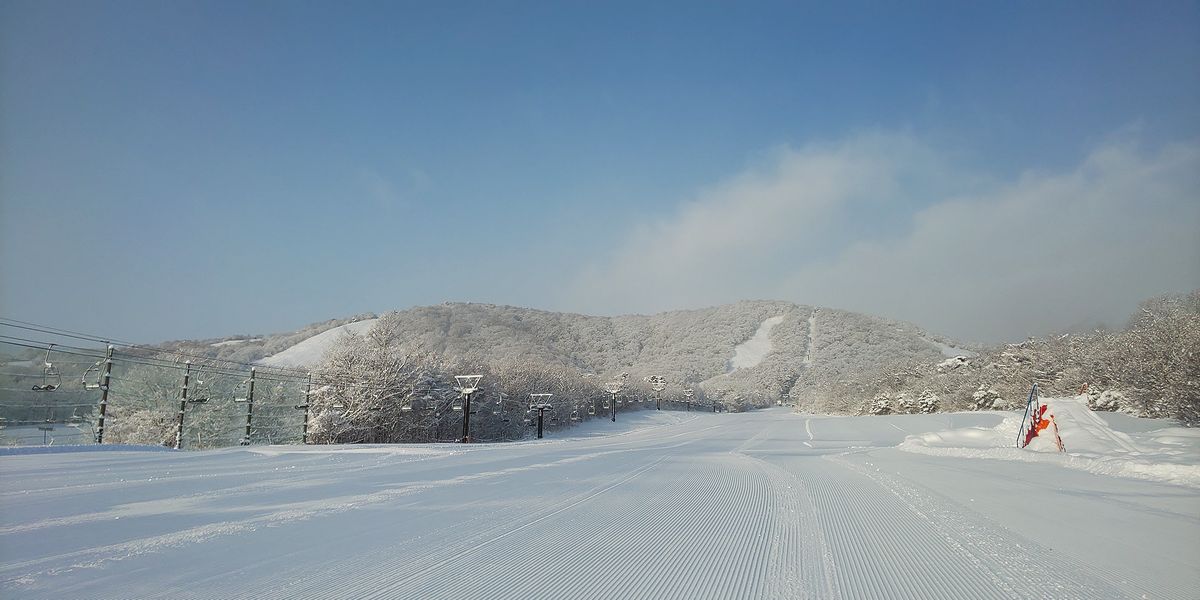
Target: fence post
column 249, row 408
column 104, row 394
column 187, row 374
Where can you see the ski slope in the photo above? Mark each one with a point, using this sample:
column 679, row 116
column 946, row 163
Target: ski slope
column 768, row 504
column 751, row 352
column 312, row 350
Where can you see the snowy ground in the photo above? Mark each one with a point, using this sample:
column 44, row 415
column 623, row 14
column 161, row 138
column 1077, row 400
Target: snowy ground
column 660, row 505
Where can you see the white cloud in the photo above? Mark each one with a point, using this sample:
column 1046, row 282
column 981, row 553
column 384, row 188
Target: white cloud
column 882, row 224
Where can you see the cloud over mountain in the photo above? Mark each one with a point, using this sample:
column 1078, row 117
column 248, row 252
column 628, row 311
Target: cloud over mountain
column 883, row 223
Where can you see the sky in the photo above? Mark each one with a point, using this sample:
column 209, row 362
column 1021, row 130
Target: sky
column 988, row 171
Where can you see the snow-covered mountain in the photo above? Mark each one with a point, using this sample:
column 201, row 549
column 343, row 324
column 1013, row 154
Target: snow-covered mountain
column 751, row 348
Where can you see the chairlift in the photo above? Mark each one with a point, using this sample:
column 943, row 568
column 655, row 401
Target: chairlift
column 592, row 409
column 200, row 392
column 95, row 384
column 456, row 404
column 575, row 416
column 49, row 374
column 605, row 405
column 242, row 387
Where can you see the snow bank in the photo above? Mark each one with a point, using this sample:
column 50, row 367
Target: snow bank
column 752, row 351
column 311, row 351
column 1170, row 454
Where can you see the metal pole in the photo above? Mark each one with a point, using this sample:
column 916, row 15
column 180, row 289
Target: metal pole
column 104, row 394
column 466, row 436
column 540, row 412
column 307, row 393
column 249, row 407
column 187, row 374
column 614, row 408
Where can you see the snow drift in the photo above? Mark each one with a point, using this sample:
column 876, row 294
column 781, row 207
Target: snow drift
column 1168, row 454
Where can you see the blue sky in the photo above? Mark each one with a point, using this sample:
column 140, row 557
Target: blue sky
column 179, row 169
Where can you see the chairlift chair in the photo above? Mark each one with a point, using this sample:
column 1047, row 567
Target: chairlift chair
column 95, row 384
column 592, row 409
column 200, row 392
column 49, row 374
column 242, row 388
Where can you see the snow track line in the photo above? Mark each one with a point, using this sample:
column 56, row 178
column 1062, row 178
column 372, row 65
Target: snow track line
column 196, row 501
column 875, row 544
column 292, row 512
column 640, row 546
column 384, row 593
column 494, row 528
column 812, row 339
column 803, row 544
column 1017, row 566
column 663, row 541
column 182, row 463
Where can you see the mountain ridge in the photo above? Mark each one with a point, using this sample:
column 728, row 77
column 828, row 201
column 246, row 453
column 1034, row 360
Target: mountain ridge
column 807, row 346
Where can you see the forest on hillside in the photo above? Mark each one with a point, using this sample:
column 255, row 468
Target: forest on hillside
column 1149, row 368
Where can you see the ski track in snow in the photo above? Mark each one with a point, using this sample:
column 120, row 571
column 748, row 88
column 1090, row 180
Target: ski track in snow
column 751, row 352
column 759, row 505
column 812, row 339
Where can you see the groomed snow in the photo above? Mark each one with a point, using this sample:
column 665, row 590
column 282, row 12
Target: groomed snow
column 312, row 350
column 768, row 504
column 752, row 351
